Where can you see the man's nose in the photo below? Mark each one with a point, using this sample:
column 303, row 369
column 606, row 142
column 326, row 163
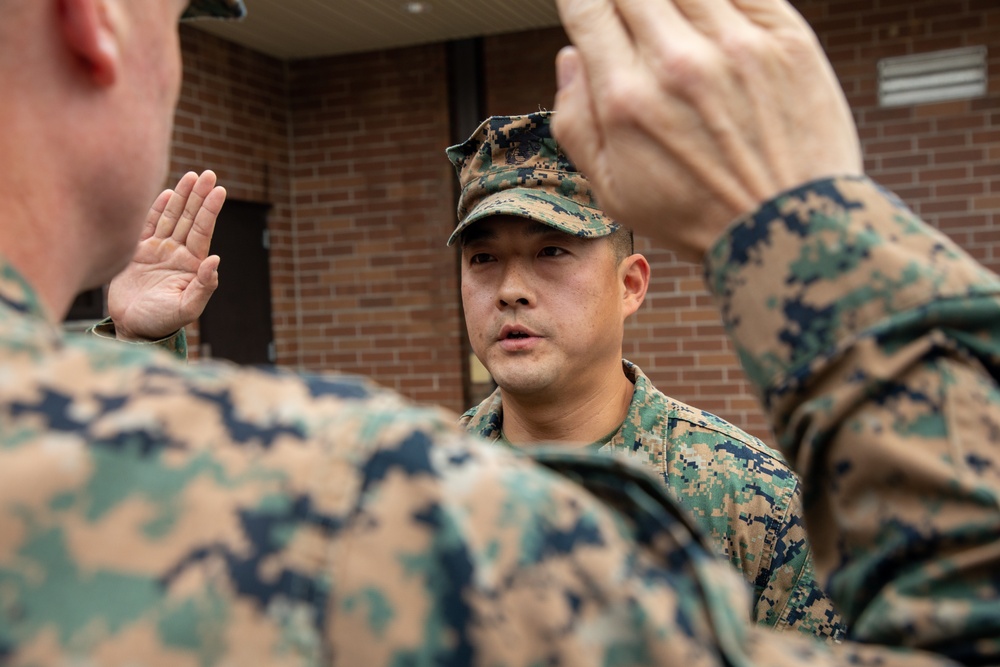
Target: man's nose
column 515, row 287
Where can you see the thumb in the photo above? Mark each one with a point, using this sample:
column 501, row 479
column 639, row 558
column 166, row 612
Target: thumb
column 208, row 272
column 199, row 291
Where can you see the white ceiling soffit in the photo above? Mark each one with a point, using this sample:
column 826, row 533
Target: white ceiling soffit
column 296, row 29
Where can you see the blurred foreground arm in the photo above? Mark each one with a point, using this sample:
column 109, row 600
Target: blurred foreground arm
column 873, row 339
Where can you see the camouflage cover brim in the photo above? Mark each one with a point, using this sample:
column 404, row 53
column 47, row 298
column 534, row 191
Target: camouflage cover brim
column 220, row 9
column 547, row 208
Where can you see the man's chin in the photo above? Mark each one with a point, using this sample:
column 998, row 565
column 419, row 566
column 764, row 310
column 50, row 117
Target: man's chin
column 523, row 388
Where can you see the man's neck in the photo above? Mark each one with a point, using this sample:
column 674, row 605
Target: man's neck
column 575, row 417
column 42, row 262
column 39, row 233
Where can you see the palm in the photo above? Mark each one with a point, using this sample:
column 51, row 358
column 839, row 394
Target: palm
column 171, row 277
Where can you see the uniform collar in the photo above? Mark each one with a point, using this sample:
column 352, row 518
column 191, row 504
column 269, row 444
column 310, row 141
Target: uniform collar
column 486, row 419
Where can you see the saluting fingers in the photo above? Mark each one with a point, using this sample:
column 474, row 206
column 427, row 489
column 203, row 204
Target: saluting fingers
column 202, row 188
column 199, row 239
column 155, row 212
column 174, row 209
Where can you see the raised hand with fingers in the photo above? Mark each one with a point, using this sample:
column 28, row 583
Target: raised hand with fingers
column 685, row 114
column 171, row 277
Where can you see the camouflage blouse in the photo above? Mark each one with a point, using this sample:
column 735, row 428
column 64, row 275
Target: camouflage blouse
column 740, row 491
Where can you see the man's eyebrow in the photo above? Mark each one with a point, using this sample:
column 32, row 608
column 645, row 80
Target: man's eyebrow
column 476, row 233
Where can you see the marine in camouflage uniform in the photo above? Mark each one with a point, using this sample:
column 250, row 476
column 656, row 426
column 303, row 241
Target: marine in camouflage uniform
column 740, row 491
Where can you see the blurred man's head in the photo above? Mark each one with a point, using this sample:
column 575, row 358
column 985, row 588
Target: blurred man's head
column 90, row 92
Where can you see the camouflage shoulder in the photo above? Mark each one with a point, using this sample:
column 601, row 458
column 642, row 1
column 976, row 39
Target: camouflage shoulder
column 689, row 425
column 651, row 400
column 709, row 421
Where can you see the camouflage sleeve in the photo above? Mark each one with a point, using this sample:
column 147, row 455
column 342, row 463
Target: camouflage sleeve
column 175, row 343
column 874, row 343
column 792, row 598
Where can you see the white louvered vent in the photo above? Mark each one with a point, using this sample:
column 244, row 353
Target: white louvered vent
column 932, row 77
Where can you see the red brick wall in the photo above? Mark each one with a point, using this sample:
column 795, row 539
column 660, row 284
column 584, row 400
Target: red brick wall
column 373, row 209
column 349, row 150
column 233, row 118
column 520, row 71
column 943, row 159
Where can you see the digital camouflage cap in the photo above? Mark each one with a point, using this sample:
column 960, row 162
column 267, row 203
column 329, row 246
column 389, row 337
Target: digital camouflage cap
column 512, row 165
column 223, row 9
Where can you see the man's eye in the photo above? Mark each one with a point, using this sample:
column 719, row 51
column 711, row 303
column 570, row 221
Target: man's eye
column 480, row 258
column 551, row 251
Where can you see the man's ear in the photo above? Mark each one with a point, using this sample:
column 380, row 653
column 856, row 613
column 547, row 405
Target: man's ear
column 635, row 280
column 89, row 35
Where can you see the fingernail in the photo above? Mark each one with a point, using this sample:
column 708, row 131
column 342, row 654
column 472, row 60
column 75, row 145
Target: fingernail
column 567, row 66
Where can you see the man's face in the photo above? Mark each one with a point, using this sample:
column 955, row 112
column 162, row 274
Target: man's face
column 544, row 309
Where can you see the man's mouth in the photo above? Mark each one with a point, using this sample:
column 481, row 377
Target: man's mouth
column 510, row 332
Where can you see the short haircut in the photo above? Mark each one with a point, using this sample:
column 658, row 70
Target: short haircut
column 622, row 243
